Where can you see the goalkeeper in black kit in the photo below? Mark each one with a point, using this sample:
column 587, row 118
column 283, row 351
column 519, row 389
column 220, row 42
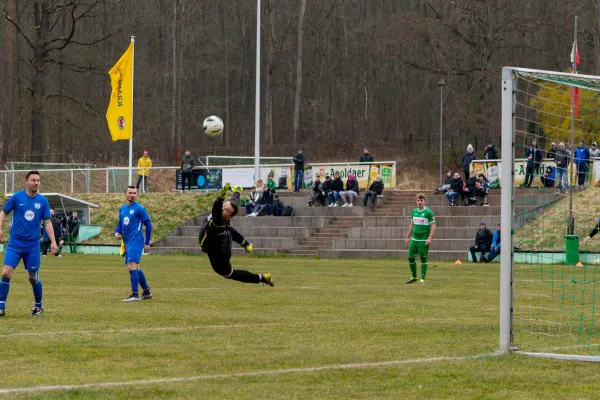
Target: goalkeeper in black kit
column 217, row 237
column 593, row 232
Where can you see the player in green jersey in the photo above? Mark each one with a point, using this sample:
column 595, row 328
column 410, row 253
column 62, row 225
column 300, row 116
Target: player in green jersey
column 420, row 233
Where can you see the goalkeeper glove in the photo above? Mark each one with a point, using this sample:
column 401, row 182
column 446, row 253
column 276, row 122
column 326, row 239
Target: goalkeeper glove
column 237, row 189
column 223, row 192
column 248, row 246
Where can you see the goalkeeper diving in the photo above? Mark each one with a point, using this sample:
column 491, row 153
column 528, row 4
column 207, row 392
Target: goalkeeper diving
column 217, row 236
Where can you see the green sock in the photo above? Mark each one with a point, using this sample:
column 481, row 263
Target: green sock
column 412, row 263
column 60, row 249
column 424, row 266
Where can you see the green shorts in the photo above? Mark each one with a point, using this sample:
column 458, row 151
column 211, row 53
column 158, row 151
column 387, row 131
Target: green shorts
column 417, row 247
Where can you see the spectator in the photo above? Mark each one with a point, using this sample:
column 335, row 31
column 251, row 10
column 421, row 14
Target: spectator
column 594, row 151
column 548, row 178
column 317, row 191
column 326, row 187
column 277, row 206
column 271, row 181
column 251, row 200
column 482, row 187
column 551, row 153
column 265, row 203
column 495, row 250
column 144, row 165
column 447, row 183
column 366, row 156
column 376, row 189
column 534, row 157
column 469, row 195
column 562, row 160
column 337, row 186
column 58, row 234
column 467, row 158
column 298, row 170
column 187, row 167
column 351, row 191
column 490, row 152
column 73, row 232
column 259, row 186
column 582, row 157
column 456, row 187
column 483, row 240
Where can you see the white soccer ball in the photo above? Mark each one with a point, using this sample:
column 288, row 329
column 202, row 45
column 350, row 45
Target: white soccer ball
column 213, row 126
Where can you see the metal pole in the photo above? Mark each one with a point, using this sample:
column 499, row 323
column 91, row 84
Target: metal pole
column 106, row 180
column 71, row 181
column 257, row 98
column 130, row 172
column 571, row 223
column 441, row 84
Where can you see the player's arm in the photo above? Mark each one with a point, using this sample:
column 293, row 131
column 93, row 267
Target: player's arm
column 409, row 233
column 217, row 210
column 431, row 233
column 588, row 237
column 2, row 217
column 238, row 238
column 6, row 209
column 148, row 225
column 50, row 233
column 119, row 228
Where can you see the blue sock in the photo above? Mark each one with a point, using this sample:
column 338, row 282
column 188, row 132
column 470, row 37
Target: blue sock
column 37, row 294
column 142, row 279
column 4, row 288
column 133, row 274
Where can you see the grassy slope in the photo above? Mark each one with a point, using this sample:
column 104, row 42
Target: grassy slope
column 322, row 313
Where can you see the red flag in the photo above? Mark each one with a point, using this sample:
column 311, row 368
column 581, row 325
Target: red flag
column 574, row 92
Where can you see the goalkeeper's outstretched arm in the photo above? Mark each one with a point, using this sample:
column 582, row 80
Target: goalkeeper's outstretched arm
column 593, row 232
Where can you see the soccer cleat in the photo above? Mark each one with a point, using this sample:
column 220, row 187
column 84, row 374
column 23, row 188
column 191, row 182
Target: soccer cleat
column 422, row 281
column 411, row 280
column 132, row 297
column 146, row 294
column 2, row 313
column 268, row 280
column 36, row 311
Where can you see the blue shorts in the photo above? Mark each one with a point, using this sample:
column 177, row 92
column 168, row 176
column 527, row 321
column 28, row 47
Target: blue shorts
column 29, row 253
column 133, row 253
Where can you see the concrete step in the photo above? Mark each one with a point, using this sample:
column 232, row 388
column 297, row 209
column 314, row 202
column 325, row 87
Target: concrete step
column 400, row 233
column 433, row 255
column 259, row 242
column 255, row 231
column 302, row 253
column 458, row 222
column 399, row 244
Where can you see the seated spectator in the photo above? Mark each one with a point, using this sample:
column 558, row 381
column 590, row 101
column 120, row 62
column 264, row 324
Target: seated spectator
column 271, row 182
column 495, row 250
column 446, row 184
column 483, row 241
column 326, row 187
column 376, row 189
column 456, row 187
column 548, row 178
column 469, row 195
column 337, row 186
column 317, row 192
column 277, row 206
column 264, row 203
column 259, row 186
column 482, row 187
column 351, row 191
column 252, row 200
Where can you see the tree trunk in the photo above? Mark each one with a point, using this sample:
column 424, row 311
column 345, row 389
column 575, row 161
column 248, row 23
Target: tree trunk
column 597, row 26
column 6, row 132
column 172, row 141
column 38, row 89
column 268, row 80
column 298, row 74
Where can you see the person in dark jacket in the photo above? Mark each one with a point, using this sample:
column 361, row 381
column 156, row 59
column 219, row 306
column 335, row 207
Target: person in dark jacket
column 317, row 191
column 58, row 234
column 562, row 160
column 366, row 156
column 326, row 187
column 376, row 189
column 298, row 170
column 551, row 153
column 456, row 188
column 187, row 173
column 265, row 203
column 277, row 206
column 337, row 186
column 469, row 193
column 496, row 246
column 582, row 157
column 482, row 187
column 467, row 159
column 483, row 241
column 351, row 191
column 490, row 152
column 73, row 233
column 548, row 178
column 533, row 154
column 217, row 236
column 447, row 183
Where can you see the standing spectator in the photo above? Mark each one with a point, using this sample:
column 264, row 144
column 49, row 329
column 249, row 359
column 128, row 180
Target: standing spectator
column 446, row 184
column 456, row 187
column 277, row 206
column 495, row 250
column 326, row 187
column 582, row 157
column 562, row 160
column 467, row 159
column 534, row 157
column 317, row 191
column 376, row 189
column 58, row 231
column 144, row 165
column 271, row 181
column 483, row 240
column 298, row 170
column 187, row 173
column 490, row 152
column 548, row 178
column 264, row 203
column 251, row 200
column 337, row 186
column 594, row 151
column 351, row 191
column 73, row 233
column 366, row 156
column 551, row 153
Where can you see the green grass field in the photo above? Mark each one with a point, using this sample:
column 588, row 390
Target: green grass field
column 329, row 329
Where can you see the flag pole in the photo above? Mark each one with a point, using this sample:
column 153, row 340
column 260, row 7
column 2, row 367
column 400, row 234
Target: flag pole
column 130, row 173
column 571, row 223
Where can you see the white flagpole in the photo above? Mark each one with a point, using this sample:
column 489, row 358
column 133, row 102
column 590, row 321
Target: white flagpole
column 131, row 122
column 257, row 98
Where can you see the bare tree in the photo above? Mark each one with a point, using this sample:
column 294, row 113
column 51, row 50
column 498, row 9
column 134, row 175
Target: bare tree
column 298, row 73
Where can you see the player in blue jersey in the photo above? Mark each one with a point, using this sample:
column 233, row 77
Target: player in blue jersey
column 132, row 216
column 29, row 208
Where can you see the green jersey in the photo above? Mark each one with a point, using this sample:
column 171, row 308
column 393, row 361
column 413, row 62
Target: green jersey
column 422, row 220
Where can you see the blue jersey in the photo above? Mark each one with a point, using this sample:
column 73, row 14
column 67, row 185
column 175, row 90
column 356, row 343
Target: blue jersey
column 28, row 213
column 131, row 219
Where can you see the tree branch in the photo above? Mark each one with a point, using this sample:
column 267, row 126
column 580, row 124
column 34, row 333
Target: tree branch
column 27, row 39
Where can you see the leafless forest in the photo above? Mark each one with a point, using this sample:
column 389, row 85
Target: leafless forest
column 336, row 75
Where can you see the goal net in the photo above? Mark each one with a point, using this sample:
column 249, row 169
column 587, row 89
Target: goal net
column 549, row 205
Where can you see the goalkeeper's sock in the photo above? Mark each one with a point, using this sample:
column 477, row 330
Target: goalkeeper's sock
column 245, row 276
column 135, row 280
column 4, row 288
column 142, row 279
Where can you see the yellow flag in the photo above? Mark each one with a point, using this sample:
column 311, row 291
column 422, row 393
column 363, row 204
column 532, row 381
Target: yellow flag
column 120, row 109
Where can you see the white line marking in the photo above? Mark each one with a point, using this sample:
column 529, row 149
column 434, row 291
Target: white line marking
column 240, row 374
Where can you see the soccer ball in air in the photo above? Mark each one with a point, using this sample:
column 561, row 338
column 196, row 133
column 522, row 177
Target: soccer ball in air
column 213, row 126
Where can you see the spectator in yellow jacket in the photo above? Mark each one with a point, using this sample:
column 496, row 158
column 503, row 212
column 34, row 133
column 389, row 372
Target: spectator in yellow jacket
column 144, row 165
